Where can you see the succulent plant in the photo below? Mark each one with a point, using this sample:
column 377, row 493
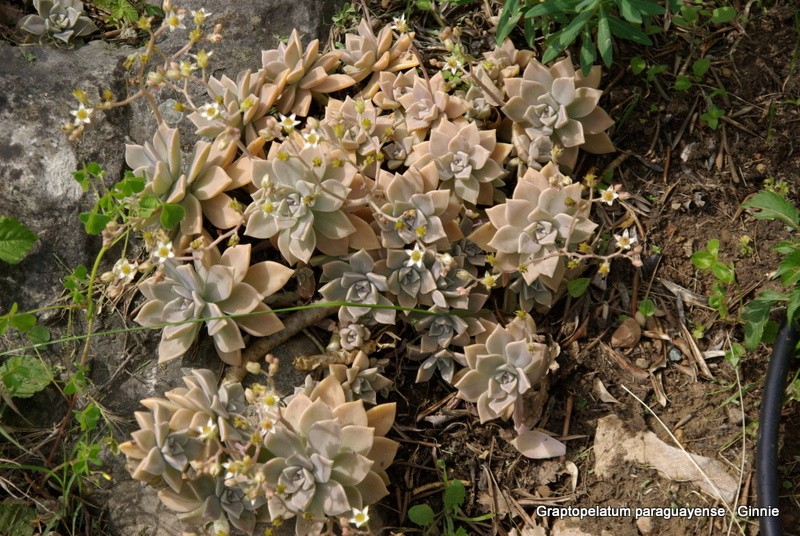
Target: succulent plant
column 444, row 361
column 428, row 101
column 468, row 160
column 559, row 104
column 353, row 336
column 355, row 282
column 301, row 200
column 330, row 457
column 502, row 369
column 361, row 380
column 505, row 61
column 299, row 73
column 64, row 20
column 408, row 274
column 210, row 288
column 199, row 189
column 527, row 230
column 158, row 454
column 414, row 209
column 366, row 54
column 391, row 87
column 244, row 102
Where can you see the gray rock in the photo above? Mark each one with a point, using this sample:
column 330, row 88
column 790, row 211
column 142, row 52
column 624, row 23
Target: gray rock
column 248, row 26
column 36, row 184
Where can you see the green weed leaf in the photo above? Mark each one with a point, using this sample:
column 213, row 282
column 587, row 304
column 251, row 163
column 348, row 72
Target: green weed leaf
column 647, row 307
column 756, row 316
column 771, row 206
column 703, row 260
column 723, row 14
column 421, row 514
column 454, row 495
column 683, row 82
column 23, row 376
column 577, row 287
column 18, row 519
column 171, row 215
column 604, row 39
column 93, row 222
column 638, row 64
column 16, row 240
column 700, row 67
column 88, row 417
column 723, row 272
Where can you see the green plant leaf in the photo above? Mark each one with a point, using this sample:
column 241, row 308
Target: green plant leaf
column 626, row 30
column 23, row 376
column 421, row 514
column 703, row 260
column 756, row 316
column 713, row 247
column 683, row 82
column 38, row 335
column 23, row 321
column 588, row 52
column 508, row 20
column 454, row 495
column 93, row 222
column 723, row 272
column 772, row 206
column 723, row 14
column 604, row 45
column 423, row 5
column 16, row 240
column 789, row 269
column 792, row 304
column 124, row 11
column 577, row 287
column 638, row 64
column 700, row 67
column 647, row 307
column 171, row 215
column 734, row 354
column 568, row 35
column 88, row 417
column 17, row 519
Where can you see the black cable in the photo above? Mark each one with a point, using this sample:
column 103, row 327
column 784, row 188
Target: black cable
column 769, row 426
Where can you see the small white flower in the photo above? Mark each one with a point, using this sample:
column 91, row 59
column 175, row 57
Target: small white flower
column 202, row 58
column 415, row 256
column 604, row 269
column 125, row 270
column 187, row 67
column 608, row 196
column 82, row 115
column 360, row 517
column 453, row 64
column 267, row 427
column 312, row 138
column 288, row 123
column 400, row 24
column 200, row 16
column 271, row 400
column 625, row 240
column 163, row 252
column 207, row 431
column 174, row 21
column 489, row 281
column 210, row 111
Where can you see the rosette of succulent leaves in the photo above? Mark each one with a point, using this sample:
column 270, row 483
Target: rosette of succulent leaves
column 420, row 196
column 239, row 457
column 64, row 20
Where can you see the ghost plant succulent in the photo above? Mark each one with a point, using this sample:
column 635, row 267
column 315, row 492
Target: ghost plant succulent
column 355, row 282
column 362, row 380
column 199, row 188
column 298, row 74
column 301, row 202
column 64, row 20
column 529, row 230
column 469, row 161
column 330, row 457
column 206, row 291
column 560, row 104
column 501, row 370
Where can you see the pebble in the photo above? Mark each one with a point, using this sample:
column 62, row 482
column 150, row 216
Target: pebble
column 645, row 525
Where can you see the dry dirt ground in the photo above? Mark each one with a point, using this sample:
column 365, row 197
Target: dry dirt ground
column 689, row 182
